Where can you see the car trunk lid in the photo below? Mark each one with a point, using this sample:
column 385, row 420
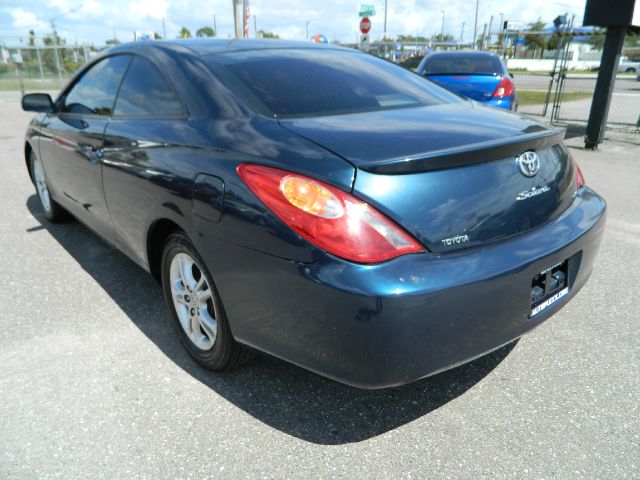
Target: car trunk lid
column 473, row 86
column 450, row 174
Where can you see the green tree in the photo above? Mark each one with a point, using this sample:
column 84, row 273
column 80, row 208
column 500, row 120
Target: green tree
column 597, row 39
column 184, row 33
column 49, row 60
column 554, row 42
column 411, row 38
column 535, row 42
column 442, row 38
column 205, row 32
column 112, row 41
column 481, row 40
column 263, row 34
column 157, row 36
column 631, row 39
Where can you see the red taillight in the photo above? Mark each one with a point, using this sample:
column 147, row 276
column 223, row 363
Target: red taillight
column 331, row 219
column 579, row 177
column 504, row 89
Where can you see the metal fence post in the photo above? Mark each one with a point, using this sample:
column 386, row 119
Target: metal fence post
column 19, row 75
column 39, row 60
column 55, row 50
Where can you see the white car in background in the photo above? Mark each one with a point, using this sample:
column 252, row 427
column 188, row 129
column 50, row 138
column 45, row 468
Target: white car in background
column 627, row 66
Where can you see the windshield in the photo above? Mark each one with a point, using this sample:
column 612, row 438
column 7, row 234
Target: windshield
column 463, row 64
column 313, row 82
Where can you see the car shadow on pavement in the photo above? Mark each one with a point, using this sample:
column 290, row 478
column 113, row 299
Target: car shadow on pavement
column 281, row 395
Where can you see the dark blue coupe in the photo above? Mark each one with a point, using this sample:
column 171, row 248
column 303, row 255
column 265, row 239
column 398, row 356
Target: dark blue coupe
column 317, row 203
column 480, row 76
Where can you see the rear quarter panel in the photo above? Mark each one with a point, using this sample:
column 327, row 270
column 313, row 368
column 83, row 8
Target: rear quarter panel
column 149, row 168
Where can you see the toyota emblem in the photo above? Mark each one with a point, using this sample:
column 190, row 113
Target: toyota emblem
column 529, row 163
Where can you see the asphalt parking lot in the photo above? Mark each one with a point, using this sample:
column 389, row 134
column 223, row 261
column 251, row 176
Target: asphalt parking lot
column 94, row 384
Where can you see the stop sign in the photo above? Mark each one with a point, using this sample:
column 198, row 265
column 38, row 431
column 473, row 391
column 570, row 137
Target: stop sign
column 365, row 25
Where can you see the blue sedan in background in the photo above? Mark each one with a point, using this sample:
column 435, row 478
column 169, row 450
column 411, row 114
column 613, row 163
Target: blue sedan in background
column 316, row 203
column 480, row 76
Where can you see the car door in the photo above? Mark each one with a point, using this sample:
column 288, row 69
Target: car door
column 74, row 135
column 143, row 155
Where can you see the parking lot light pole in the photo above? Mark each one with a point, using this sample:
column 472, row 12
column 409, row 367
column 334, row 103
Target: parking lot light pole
column 384, row 37
column 475, row 26
column 489, row 33
column 442, row 27
column 238, row 15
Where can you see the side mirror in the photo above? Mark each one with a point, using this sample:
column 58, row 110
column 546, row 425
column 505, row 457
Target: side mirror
column 37, row 102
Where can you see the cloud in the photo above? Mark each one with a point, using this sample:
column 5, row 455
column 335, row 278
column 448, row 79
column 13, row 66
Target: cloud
column 22, row 18
column 155, row 9
column 96, row 20
column 62, row 5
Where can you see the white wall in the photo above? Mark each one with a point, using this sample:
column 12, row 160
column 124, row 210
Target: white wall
column 547, row 64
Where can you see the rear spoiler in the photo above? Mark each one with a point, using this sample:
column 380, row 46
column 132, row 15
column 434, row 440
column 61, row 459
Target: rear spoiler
column 481, row 152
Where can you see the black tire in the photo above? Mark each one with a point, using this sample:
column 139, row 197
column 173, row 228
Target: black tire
column 54, row 213
column 226, row 353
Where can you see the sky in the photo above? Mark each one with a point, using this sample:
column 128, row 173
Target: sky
column 94, row 21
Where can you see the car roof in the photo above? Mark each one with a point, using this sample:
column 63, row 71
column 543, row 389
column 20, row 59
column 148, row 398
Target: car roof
column 206, row 46
column 464, row 52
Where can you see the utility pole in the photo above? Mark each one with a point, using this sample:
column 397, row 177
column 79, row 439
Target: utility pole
column 484, row 36
column 462, row 32
column 55, row 51
column 500, row 36
column 215, row 28
column 475, row 25
column 442, row 27
column 385, row 20
column 36, row 42
column 238, row 16
column 307, row 29
column 255, row 26
column 385, row 29
column 164, row 30
column 490, row 23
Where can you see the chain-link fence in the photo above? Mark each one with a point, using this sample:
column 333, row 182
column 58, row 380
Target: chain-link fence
column 31, row 68
column 624, row 110
column 561, row 86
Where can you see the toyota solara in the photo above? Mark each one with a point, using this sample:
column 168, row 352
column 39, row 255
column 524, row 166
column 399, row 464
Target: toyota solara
column 317, row 203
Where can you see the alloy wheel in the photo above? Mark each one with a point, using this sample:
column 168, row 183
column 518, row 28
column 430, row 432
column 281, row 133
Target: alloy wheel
column 193, row 301
column 41, row 185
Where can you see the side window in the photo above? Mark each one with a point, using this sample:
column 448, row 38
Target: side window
column 145, row 92
column 96, row 90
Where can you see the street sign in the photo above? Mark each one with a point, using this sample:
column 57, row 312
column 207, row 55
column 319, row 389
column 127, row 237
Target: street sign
column 365, row 25
column 367, row 10
column 364, row 44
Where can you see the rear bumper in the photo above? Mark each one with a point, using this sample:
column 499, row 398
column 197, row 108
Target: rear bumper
column 389, row 324
column 507, row 103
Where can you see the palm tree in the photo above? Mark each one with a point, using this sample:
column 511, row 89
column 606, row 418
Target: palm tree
column 205, row 32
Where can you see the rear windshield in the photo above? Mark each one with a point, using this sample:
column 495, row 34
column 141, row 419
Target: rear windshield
column 313, row 82
column 463, row 64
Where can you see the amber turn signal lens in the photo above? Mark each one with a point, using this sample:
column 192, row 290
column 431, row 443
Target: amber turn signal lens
column 311, row 197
